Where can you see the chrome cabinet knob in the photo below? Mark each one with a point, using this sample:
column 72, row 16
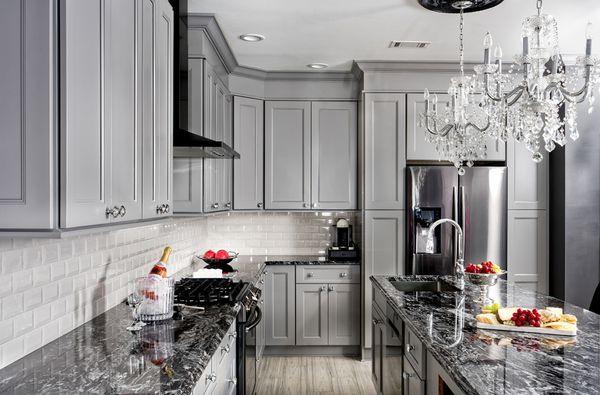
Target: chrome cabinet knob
column 314, row 205
column 122, row 211
column 343, row 275
column 228, row 205
column 234, row 380
column 212, row 377
column 304, row 205
column 215, row 205
column 114, row 212
column 262, row 281
column 409, row 348
column 310, row 274
column 226, row 348
column 406, row 375
column 167, row 208
column 259, row 205
column 323, row 288
column 331, row 289
column 159, row 209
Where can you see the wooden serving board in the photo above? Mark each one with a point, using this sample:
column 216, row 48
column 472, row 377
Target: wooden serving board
column 526, row 329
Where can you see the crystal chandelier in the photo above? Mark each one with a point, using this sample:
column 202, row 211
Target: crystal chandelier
column 458, row 131
column 527, row 102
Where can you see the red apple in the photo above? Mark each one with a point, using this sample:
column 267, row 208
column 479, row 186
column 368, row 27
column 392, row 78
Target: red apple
column 210, row 254
column 222, row 254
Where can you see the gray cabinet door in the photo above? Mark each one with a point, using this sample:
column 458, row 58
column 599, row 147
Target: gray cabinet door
column 156, row 100
column 227, row 178
column 27, row 155
column 383, row 252
column 123, row 132
column 83, row 130
column 248, row 140
column 385, row 157
column 311, row 315
column 334, row 155
column 527, row 180
column 280, row 305
column 210, row 168
column 287, row 155
column 377, row 327
column 344, row 314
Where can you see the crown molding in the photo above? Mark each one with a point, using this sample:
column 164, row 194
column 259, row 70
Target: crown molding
column 263, row 75
column 391, row 66
column 209, row 24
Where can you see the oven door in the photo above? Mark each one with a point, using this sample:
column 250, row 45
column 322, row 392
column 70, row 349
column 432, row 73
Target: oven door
column 248, row 386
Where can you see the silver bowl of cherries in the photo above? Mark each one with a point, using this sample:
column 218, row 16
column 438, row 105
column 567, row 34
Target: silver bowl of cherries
column 484, row 275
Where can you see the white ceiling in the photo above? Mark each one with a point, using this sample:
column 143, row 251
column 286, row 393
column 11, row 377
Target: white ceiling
column 336, row 32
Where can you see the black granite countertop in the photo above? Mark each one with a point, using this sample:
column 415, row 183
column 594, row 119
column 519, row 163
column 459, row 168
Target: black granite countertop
column 101, row 356
column 304, row 260
column 494, row 362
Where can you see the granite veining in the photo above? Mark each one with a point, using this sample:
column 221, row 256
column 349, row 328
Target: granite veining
column 304, row 260
column 101, row 356
column 495, row 362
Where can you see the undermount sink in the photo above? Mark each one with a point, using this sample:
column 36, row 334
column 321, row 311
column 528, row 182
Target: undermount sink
column 423, row 286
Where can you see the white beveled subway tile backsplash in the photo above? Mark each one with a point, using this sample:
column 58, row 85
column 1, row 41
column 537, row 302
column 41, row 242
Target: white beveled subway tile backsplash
column 275, row 233
column 51, row 286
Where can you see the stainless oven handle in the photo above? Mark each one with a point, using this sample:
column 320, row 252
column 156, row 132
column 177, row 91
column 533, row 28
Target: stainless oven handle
column 253, row 324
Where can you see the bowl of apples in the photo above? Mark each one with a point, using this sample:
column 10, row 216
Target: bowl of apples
column 221, row 257
column 485, row 273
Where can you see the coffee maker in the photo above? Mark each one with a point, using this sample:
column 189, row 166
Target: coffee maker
column 342, row 248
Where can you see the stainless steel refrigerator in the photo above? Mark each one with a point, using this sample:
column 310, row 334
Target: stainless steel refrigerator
column 476, row 200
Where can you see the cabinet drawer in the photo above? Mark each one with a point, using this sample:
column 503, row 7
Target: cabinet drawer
column 330, row 274
column 415, row 352
column 227, row 345
column 412, row 383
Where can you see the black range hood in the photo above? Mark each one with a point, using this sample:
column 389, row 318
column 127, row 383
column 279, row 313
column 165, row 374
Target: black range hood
column 191, row 145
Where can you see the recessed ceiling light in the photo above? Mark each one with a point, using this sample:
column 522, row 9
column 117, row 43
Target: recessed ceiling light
column 317, row 65
column 251, row 37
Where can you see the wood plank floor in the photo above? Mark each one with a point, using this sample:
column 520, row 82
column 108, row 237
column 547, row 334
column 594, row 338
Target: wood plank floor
column 314, row 375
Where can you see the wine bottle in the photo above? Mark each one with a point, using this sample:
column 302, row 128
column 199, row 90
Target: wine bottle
column 160, row 269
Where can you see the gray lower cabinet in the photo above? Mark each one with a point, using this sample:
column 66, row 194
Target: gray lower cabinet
column 280, row 305
column 312, row 315
column 334, row 156
column 220, row 374
column 343, row 314
column 383, row 241
column 157, row 124
column 413, row 384
column 384, row 156
column 248, row 140
column 287, row 155
column 377, row 325
column 27, row 180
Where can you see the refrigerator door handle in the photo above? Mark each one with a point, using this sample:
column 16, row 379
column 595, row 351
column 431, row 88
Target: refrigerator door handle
column 455, row 215
column 463, row 208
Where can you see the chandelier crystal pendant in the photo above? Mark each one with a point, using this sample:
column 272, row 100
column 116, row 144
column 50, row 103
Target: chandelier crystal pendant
column 458, row 131
column 526, row 103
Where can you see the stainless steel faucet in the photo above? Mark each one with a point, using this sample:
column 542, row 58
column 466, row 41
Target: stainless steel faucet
column 459, row 265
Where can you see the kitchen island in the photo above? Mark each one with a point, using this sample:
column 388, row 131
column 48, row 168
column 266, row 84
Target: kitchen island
column 434, row 355
column 101, row 356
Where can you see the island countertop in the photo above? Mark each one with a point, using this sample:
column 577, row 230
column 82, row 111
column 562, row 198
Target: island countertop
column 101, row 356
column 495, row 362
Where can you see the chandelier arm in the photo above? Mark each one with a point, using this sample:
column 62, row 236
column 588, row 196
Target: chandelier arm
column 516, row 97
column 480, row 129
column 574, row 97
column 487, row 89
column 433, row 131
column 446, row 129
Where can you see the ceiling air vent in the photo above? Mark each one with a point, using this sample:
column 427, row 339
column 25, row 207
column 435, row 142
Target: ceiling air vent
column 409, row 44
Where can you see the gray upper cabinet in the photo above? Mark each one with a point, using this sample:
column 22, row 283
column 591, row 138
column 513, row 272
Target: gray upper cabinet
column 334, row 155
column 85, row 199
column 123, row 132
column 280, row 305
column 27, row 180
column 418, row 148
column 287, row 155
column 227, row 175
column 527, row 180
column 248, row 140
column 157, row 72
column 385, row 120
column 311, row 315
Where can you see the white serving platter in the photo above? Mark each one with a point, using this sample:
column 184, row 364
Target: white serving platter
column 526, row 329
